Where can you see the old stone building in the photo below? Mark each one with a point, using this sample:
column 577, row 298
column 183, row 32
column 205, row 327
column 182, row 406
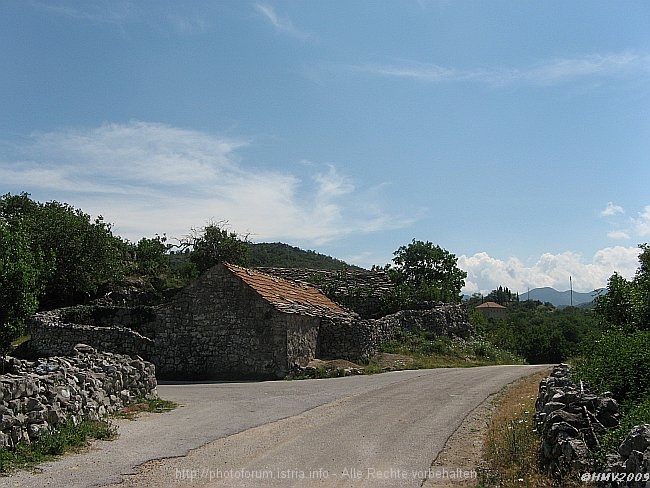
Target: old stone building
column 234, row 322
column 239, row 322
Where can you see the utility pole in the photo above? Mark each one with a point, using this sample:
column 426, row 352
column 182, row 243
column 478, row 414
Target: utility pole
column 571, row 285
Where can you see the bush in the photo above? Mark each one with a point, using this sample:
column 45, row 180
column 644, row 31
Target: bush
column 619, row 363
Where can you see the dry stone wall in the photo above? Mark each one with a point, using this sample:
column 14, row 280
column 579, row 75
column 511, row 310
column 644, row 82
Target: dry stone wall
column 51, row 335
column 38, row 396
column 359, row 290
column 360, row 339
column 572, row 421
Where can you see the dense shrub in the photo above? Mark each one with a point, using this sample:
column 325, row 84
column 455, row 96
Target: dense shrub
column 618, row 362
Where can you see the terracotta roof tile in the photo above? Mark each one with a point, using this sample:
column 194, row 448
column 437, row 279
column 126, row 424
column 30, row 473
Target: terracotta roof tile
column 490, row 305
column 287, row 296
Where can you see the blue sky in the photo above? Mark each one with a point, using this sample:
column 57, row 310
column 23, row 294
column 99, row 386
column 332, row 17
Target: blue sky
column 514, row 134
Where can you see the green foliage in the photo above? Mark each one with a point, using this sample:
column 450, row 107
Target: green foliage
column 281, row 255
column 66, row 438
column 502, row 296
column 423, row 272
column 541, row 334
column 618, row 362
column 626, row 305
column 21, row 282
column 81, row 253
column 151, row 255
column 428, row 349
column 633, row 413
column 214, row 244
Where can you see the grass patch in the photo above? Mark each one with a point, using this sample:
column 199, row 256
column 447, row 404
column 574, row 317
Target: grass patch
column 427, row 350
column 67, row 438
column 152, row 405
column 511, row 446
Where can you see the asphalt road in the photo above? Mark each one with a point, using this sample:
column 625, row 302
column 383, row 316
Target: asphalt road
column 381, row 430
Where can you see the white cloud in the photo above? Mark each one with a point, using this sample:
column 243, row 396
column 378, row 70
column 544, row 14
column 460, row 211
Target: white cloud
column 611, row 210
column 485, row 273
column 281, row 24
column 642, row 223
column 550, row 72
column 151, row 178
column 618, row 235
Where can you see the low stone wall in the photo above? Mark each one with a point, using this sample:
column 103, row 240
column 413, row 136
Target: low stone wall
column 444, row 320
column 51, row 335
column 360, row 339
column 572, row 421
column 359, row 290
column 37, row 396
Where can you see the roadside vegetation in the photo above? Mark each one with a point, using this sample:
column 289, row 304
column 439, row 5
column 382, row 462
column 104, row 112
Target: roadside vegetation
column 609, row 349
column 71, row 438
column 618, row 361
column 68, row 438
column 511, row 444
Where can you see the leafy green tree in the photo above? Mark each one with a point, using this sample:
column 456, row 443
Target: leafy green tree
column 214, row 244
column 20, row 283
column 424, row 272
column 502, row 296
column 82, row 253
column 626, row 305
column 151, row 255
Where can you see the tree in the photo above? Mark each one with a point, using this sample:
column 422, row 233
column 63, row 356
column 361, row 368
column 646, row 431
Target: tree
column 502, row 296
column 82, row 253
column 20, row 283
column 151, row 255
column 214, row 244
column 424, row 272
column 626, row 305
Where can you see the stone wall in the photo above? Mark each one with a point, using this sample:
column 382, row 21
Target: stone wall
column 572, row 421
column 37, row 396
column 359, row 290
column 51, row 335
column 360, row 339
column 219, row 327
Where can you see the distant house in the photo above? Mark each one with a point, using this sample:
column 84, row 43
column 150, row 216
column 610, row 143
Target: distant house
column 239, row 322
column 492, row 310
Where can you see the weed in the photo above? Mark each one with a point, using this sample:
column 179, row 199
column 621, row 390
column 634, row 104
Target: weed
column 510, row 453
column 68, row 437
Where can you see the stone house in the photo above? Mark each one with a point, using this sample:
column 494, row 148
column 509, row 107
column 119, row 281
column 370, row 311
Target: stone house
column 492, row 310
column 235, row 323
column 238, row 322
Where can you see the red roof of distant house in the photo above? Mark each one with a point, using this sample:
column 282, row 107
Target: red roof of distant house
column 490, row 305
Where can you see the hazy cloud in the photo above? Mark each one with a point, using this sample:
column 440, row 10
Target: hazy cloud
column 642, row 223
column 485, row 273
column 149, row 178
column 611, row 210
column 550, row 72
column 281, row 24
column 618, row 235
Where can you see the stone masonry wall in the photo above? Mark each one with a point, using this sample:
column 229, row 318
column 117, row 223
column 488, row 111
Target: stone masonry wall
column 572, row 421
column 51, row 336
column 37, row 396
column 360, row 339
column 358, row 290
column 220, row 327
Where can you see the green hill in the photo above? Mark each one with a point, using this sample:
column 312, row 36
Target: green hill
column 280, row 255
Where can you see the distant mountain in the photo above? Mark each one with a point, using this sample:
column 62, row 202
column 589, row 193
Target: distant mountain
column 558, row 298
column 279, row 255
